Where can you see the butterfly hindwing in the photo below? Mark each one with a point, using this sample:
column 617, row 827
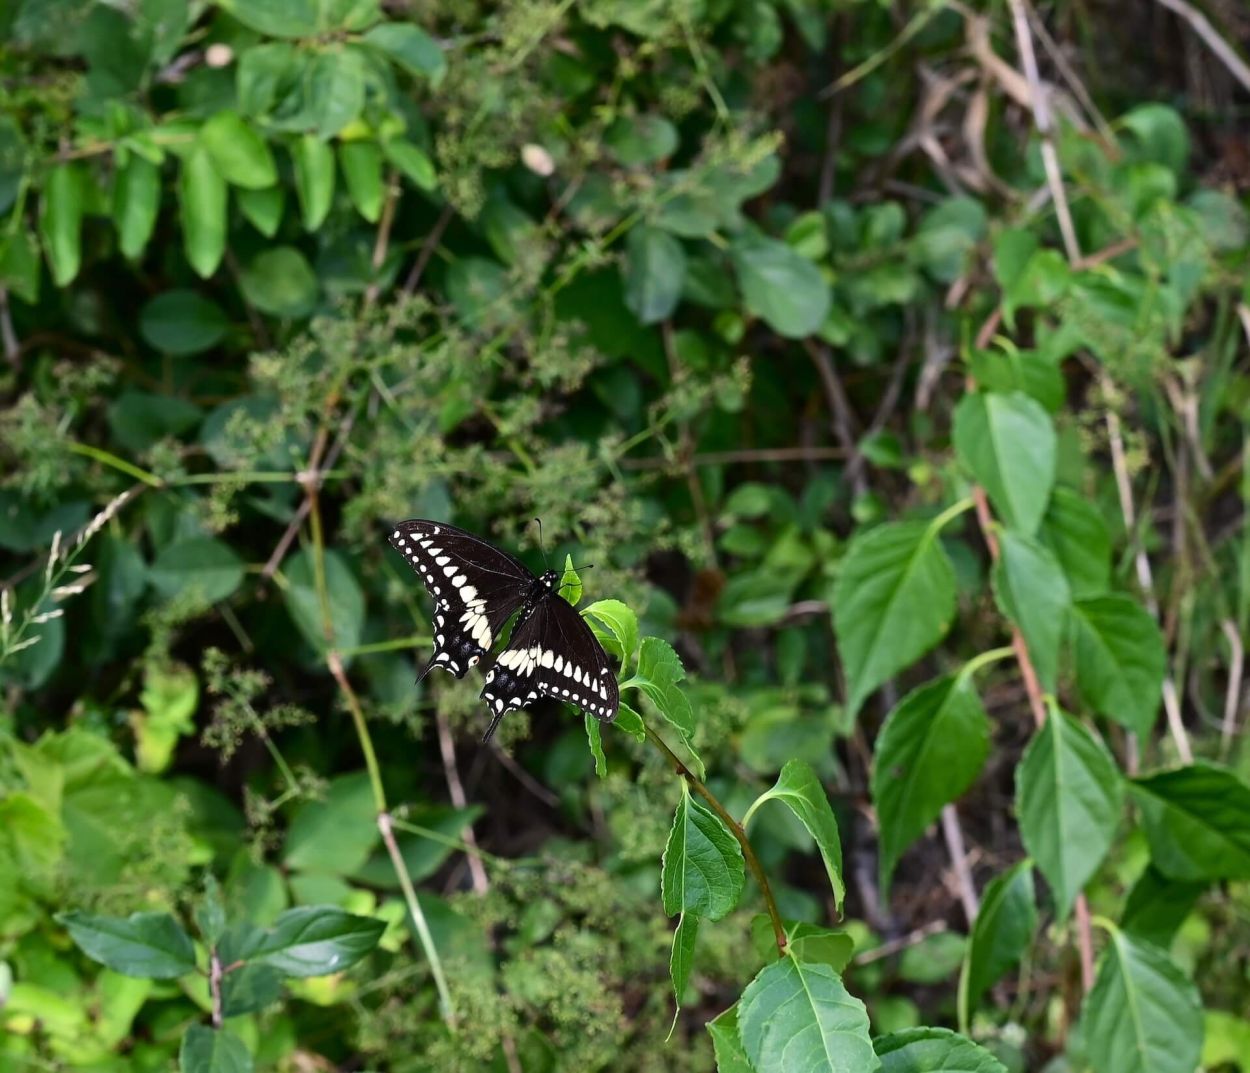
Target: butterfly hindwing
column 552, row 653
column 475, row 588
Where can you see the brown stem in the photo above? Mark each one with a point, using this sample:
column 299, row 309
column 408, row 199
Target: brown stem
column 214, row 985
column 735, row 828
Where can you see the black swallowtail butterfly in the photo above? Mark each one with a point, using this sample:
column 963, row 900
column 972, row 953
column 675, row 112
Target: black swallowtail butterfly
column 476, row 588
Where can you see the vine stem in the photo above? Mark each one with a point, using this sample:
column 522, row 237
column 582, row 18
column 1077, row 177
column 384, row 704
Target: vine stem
column 214, row 985
column 385, row 826
column 735, row 828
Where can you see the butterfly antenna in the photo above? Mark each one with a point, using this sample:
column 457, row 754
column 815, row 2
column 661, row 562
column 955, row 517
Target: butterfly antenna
column 587, row 566
column 541, row 545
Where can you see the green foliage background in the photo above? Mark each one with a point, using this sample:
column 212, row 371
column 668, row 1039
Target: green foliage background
column 927, row 462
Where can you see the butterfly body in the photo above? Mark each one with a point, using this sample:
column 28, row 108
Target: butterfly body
column 476, row 588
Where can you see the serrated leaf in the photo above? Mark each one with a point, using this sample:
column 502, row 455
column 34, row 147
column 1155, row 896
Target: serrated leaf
column 594, row 735
column 930, row 750
column 1031, row 590
column 703, row 870
column 1120, row 659
column 659, row 671
column 623, row 624
column 1008, row 443
column 800, row 790
column 1068, row 797
column 807, row 942
column 313, row 940
column 796, row 1017
column 653, row 272
column 213, row 1050
column 151, row 945
column 894, row 600
column 933, row 1050
column 1142, row 1015
column 630, row 722
column 1197, row 821
column 681, row 961
column 1000, row 935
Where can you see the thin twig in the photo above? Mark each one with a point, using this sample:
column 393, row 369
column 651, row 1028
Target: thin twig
column 954, row 837
column 522, row 776
column 903, row 942
column 842, row 417
column 214, row 985
column 456, row 788
column 1201, row 25
column 427, row 249
column 12, row 348
column 735, row 829
column 382, row 242
column 1042, row 120
column 1232, row 698
column 747, row 455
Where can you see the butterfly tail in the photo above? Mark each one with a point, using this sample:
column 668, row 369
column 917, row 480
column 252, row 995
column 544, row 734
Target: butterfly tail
column 494, row 723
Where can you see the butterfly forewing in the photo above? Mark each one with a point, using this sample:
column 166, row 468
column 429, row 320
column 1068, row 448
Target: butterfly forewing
column 475, row 587
column 552, row 653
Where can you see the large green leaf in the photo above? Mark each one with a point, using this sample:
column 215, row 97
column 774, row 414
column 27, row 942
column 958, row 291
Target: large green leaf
column 727, row 1043
column 313, row 940
column 182, row 322
column 622, row 624
column 933, row 1050
column 152, row 945
column 796, row 1017
column 1000, row 935
column 1068, row 797
column 799, row 789
column 1074, row 530
column 204, row 566
column 703, row 871
column 213, row 1050
column 1120, row 659
column 659, row 672
column 1032, row 591
column 202, row 203
column 653, row 271
column 1197, row 821
column 335, row 88
column 1142, row 1015
column 1008, row 443
column 411, row 47
column 778, row 285
column 1157, row 906
column 930, row 750
column 344, row 603
column 893, row 601
column 240, row 155
column 337, row 833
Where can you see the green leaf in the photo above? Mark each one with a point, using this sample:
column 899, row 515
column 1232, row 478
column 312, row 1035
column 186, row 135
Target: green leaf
column 137, row 419
column 682, row 959
column 1197, row 821
column 727, row 1043
column 202, row 205
column 263, row 208
column 653, row 272
column 787, row 292
column 136, row 203
column 1157, row 906
column 894, row 600
column 182, row 322
column 659, row 671
column 799, row 789
column 807, row 942
column 1120, row 659
column 594, row 735
column 280, row 282
column 1008, row 444
column 703, row 871
column 202, row 565
column 1142, row 1015
column 621, row 622
column 1160, row 134
column 314, row 179
column 411, row 47
column 250, row 989
column 337, row 833
column 570, row 582
column 169, row 697
column 213, row 1050
column 152, row 945
column 630, row 722
column 1000, row 935
column 240, row 155
column 313, row 940
column 1032, row 591
column 796, row 1017
column 1074, row 530
column 930, row 750
column 934, row 1050
column 13, row 160
column 361, row 163
column 60, row 221
column 335, row 88
column 1068, row 798
column 636, row 141
column 412, row 162
column 346, row 601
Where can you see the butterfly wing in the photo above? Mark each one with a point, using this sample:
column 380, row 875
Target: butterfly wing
column 474, row 585
column 552, row 653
